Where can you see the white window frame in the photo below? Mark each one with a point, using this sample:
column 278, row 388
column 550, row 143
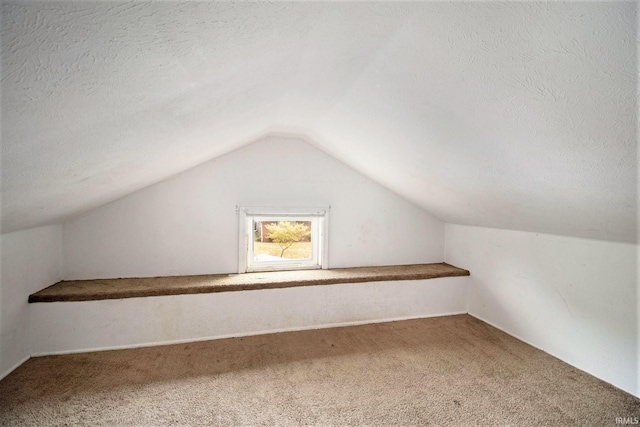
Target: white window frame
column 319, row 218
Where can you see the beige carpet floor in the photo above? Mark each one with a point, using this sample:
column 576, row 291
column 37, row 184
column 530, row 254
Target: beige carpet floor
column 444, row 371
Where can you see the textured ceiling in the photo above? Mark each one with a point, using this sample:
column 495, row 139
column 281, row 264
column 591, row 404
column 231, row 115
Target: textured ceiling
column 507, row 115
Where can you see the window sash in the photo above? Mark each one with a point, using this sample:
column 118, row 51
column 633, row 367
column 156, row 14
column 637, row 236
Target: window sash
column 248, row 216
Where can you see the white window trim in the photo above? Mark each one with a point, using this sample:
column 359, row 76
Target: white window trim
column 246, row 214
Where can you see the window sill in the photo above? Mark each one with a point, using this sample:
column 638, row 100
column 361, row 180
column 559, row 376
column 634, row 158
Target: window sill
column 92, row 290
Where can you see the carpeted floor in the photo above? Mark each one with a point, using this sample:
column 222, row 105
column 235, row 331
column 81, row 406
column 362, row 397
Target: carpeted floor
column 442, row 371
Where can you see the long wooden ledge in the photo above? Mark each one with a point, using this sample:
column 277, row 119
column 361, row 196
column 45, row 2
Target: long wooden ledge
column 90, row 290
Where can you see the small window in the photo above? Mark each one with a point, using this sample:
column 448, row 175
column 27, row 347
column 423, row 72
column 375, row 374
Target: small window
column 282, row 239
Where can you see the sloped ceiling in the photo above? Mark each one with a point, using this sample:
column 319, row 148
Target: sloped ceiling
column 507, row 115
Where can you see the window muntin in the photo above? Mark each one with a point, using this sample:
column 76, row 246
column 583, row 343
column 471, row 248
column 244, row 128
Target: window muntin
column 262, row 250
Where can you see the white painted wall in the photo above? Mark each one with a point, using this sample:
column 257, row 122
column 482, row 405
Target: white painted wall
column 573, row 298
column 30, row 262
column 188, row 224
column 82, row 326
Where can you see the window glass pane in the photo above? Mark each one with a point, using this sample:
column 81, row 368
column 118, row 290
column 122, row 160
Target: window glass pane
column 275, row 240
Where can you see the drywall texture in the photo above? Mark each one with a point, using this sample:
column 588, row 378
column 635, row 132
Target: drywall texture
column 511, row 115
column 189, row 225
column 30, row 260
column 63, row 327
column 573, row 298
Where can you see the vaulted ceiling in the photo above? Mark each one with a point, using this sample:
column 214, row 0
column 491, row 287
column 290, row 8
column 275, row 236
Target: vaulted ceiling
column 515, row 115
